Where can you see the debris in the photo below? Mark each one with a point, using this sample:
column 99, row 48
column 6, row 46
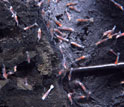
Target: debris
column 22, row 84
column 3, row 83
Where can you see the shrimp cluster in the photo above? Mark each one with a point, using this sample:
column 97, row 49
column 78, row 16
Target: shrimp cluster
column 59, row 33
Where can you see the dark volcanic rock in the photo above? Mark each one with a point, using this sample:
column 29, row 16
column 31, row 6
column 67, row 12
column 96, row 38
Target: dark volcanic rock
column 26, row 87
column 14, row 41
column 33, row 78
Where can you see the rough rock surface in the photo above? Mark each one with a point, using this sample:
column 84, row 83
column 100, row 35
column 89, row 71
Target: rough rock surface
column 14, row 42
column 46, row 60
